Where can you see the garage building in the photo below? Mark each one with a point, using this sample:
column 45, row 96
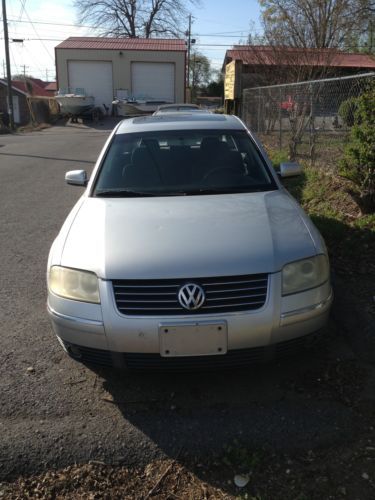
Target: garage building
column 109, row 67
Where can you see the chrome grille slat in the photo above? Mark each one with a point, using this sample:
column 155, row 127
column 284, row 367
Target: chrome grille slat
column 239, row 289
column 236, row 297
column 147, row 301
column 148, row 286
column 153, row 294
column 154, row 309
column 234, row 305
column 160, row 297
column 232, row 282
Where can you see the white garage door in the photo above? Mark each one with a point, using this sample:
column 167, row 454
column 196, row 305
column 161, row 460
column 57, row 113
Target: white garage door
column 153, row 80
column 95, row 77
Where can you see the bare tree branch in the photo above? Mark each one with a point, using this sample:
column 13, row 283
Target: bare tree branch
column 135, row 18
column 316, row 23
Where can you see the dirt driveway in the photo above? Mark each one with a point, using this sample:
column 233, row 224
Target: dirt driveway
column 55, row 412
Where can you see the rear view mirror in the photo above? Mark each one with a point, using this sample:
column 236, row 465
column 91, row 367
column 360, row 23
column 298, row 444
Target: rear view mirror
column 290, row 169
column 76, row 177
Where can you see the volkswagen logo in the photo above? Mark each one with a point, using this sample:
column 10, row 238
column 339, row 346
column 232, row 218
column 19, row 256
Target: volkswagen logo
column 191, row 296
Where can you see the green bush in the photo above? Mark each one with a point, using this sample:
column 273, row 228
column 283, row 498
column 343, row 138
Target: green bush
column 358, row 163
column 347, row 111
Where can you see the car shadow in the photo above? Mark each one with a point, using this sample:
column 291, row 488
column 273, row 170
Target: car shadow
column 107, row 123
column 49, row 158
column 285, row 405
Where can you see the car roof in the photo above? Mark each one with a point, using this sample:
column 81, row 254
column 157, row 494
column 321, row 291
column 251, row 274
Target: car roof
column 179, row 111
column 177, row 105
column 179, row 121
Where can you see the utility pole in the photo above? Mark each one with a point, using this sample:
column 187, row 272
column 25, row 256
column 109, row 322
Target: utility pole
column 188, row 55
column 9, row 79
column 190, row 42
column 46, row 75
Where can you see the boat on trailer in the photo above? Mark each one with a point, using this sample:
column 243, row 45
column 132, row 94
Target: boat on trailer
column 74, row 102
column 127, row 105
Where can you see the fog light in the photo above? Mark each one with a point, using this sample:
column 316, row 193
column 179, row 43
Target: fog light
column 74, row 352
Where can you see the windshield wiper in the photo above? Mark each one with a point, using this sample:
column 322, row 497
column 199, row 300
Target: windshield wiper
column 126, row 193
column 229, row 190
column 211, row 191
column 129, row 193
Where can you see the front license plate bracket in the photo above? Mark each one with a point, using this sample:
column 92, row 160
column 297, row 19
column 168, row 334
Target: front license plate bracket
column 193, row 339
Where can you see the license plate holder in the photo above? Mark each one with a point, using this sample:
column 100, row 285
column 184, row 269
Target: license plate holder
column 193, row 339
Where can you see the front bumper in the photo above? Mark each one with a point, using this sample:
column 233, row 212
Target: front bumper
column 103, row 328
column 232, row 359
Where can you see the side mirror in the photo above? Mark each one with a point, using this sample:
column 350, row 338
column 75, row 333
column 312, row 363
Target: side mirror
column 76, row 177
column 290, row 169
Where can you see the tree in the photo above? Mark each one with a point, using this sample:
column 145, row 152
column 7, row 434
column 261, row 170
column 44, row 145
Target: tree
column 216, row 86
column 200, row 71
column 21, row 77
column 302, row 38
column 318, row 24
column 135, row 18
column 358, row 164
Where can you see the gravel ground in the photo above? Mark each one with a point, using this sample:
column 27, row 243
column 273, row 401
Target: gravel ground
column 55, row 413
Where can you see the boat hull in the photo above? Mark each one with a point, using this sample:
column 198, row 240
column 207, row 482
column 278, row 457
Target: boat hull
column 136, row 108
column 75, row 105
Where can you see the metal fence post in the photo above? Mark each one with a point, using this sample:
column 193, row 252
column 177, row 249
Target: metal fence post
column 280, row 123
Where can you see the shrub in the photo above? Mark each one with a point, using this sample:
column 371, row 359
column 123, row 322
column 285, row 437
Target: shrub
column 347, row 111
column 358, row 163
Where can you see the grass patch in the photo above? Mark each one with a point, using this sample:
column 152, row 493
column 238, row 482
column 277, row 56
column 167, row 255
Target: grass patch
column 278, row 157
column 324, row 195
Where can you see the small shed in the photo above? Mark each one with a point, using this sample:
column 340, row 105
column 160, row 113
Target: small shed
column 107, row 68
column 19, row 97
column 28, row 94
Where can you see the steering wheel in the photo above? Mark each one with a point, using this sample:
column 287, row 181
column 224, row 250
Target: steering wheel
column 221, row 169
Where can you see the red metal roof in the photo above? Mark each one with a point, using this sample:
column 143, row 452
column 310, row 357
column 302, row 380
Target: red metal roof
column 36, row 89
column 51, row 87
column 162, row 44
column 259, row 55
column 39, row 82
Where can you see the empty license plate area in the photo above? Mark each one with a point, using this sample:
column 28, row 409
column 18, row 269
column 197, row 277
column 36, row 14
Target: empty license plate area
column 193, row 339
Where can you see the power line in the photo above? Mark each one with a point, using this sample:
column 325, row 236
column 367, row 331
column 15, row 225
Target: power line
column 23, row 3
column 45, row 48
column 13, row 60
column 238, row 45
column 49, row 23
column 221, row 33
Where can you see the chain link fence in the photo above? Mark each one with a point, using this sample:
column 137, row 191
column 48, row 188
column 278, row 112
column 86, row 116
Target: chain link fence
column 304, row 119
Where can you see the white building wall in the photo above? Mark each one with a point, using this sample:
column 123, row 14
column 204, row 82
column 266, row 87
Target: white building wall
column 121, row 65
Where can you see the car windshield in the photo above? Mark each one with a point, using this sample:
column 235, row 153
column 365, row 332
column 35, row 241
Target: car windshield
column 182, row 162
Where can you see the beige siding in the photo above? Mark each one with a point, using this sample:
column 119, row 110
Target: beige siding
column 121, row 64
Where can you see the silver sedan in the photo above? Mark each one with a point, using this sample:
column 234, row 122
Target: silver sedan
column 185, row 250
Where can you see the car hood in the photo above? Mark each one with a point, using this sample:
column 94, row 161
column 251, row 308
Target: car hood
column 187, row 236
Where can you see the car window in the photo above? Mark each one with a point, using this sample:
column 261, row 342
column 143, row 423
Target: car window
column 183, row 162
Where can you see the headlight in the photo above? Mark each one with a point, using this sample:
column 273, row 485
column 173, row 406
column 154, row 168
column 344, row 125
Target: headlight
column 304, row 274
column 73, row 284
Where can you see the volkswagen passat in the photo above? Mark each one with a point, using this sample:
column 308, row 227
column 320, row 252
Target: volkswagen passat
column 185, row 250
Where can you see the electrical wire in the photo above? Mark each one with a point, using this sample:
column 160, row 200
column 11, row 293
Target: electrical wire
column 32, row 58
column 238, row 46
column 23, row 3
column 40, row 39
column 13, row 60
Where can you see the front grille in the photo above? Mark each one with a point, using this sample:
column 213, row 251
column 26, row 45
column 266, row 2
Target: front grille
column 232, row 359
column 160, row 297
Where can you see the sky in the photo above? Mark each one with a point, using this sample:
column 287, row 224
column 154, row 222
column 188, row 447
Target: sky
column 216, row 26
